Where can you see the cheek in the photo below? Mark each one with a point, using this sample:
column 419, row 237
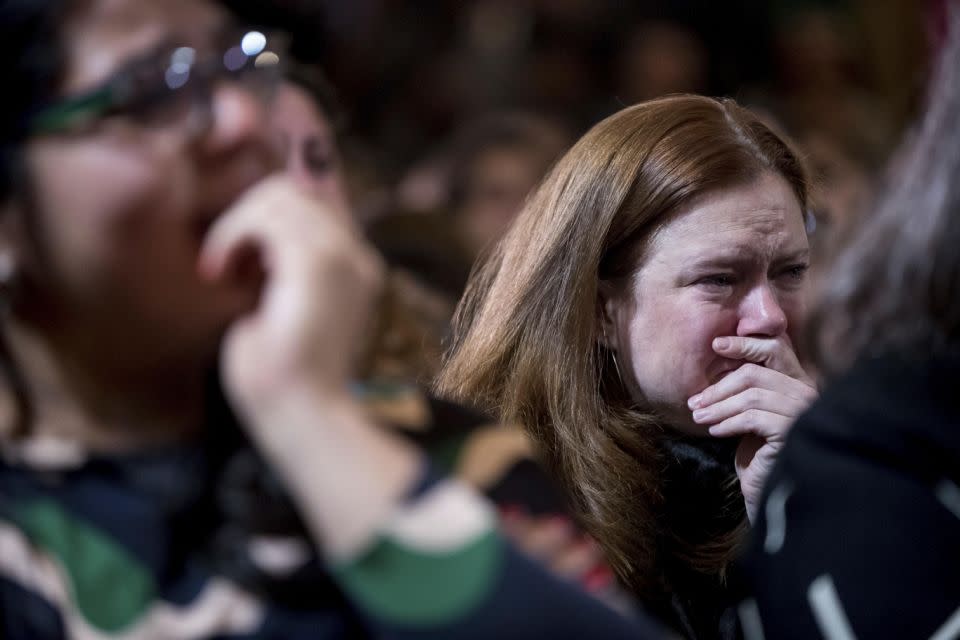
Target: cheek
column 101, row 202
column 795, row 308
column 670, row 347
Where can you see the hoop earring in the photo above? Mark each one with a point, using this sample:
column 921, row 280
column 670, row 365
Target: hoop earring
column 616, row 366
column 613, row 356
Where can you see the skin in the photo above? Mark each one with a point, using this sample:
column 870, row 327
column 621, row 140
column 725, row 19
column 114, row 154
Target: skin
column 729, row 267
column 309, row 144
column 500, row 179
column 169, row 250
column 120, row 259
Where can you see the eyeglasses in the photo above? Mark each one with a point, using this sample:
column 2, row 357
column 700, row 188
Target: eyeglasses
column 172, row 83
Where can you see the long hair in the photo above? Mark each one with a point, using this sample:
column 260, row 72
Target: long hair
column 896, row 285
column 526, row 338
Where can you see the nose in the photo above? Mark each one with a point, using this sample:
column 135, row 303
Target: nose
column 237, row 116
column 761, row 313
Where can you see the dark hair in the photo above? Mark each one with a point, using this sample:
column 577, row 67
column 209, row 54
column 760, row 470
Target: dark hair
column 34, row 63
column 310, row 78
column 30, row 43
column 896, row 285
column 527, row 341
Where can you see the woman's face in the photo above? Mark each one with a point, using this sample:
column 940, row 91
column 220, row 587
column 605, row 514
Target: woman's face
column 730, row 264
column 309, row 145
column 498, row 181
column 122, row 208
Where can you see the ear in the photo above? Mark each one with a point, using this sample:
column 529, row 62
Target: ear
column 609, row 304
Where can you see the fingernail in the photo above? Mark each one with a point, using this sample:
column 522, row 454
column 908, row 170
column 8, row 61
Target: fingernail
column 694, row 402
column 721, row 343
column 712, row 430
column 699, row 414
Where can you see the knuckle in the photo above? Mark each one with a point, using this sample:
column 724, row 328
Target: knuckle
column 751, row 373
column 753, row 418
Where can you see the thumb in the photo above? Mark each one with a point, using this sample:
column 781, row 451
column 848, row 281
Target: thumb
column 773, row 353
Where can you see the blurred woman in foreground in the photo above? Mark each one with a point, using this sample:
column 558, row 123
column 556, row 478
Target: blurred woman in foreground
column 177, row 324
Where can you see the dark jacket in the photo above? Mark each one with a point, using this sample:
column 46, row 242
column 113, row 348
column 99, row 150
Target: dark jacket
column 860, row 526
column 702, row 503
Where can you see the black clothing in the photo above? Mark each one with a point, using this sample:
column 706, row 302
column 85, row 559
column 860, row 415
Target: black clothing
column 860, row 525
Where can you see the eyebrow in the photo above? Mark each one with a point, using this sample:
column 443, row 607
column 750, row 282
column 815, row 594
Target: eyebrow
column 741, row 255
column 798, row 255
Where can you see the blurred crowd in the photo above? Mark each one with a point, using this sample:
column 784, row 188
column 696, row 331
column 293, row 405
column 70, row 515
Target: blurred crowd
column 842, row 77
column 444, row 116
column 428, row 126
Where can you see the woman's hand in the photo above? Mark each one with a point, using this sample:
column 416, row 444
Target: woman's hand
column 759, row 402
column 315, row 307
column 288, row 363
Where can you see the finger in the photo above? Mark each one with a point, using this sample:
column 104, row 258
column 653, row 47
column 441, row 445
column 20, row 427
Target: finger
column 770, row 426
column 280, row 221
column 244, row 226
column 773, row 353
column 752, row 398
column 240, row 259
column 753, row 375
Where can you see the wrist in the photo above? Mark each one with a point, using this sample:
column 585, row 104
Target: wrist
column 345, row 473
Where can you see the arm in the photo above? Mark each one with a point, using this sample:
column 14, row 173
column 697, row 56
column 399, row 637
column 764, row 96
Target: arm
column 417, row 555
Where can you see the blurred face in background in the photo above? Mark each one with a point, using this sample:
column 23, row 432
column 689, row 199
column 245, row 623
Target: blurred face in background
column 660, row 58
column 122, row 203
column 498, row 182
column 308, row 144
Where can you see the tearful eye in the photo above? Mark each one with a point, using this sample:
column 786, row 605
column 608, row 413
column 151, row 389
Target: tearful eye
column 796, row 272
column 717, row 280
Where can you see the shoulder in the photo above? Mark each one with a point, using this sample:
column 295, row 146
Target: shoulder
column 862, row 512
column 888, row 411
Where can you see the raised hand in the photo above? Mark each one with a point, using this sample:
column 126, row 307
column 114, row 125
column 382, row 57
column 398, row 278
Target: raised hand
column 288, row 363
column 759, row 402
column 320, row 281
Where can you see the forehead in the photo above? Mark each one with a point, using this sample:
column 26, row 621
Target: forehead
column 295, row 110
column 762, row 217
column 103, row 34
